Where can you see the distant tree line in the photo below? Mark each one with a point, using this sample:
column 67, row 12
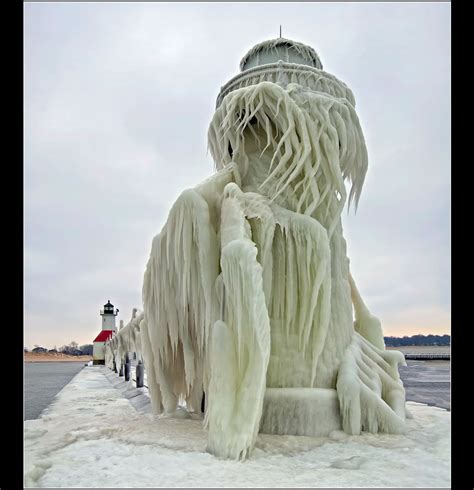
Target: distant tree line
column 73, row 349
column 418, row 340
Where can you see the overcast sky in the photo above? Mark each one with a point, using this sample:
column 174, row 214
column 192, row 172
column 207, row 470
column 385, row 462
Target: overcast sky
column 118, row 99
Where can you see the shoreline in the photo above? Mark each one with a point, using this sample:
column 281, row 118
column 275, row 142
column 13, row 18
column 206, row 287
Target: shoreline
column 53, row 357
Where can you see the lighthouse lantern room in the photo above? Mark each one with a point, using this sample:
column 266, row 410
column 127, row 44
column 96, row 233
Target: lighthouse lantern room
column 108, row 315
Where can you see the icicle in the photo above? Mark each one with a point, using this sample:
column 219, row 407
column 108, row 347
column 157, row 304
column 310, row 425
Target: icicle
column 366, row 324
column 371, row 395
column 305, row 123
column 178, row 293
column 241, row 345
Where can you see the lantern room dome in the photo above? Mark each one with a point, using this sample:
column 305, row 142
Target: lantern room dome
column 108, row 308
column 280, row 49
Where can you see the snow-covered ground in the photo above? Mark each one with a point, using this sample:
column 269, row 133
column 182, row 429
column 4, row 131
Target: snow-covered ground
column 91, row 436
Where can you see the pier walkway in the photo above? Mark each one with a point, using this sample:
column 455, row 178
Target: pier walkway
column 93, row 436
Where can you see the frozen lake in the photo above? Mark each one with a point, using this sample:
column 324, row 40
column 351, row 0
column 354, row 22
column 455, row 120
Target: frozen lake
column 43, row 380
column 428, row 382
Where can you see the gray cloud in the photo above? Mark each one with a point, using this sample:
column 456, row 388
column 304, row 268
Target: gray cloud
column 118, row 98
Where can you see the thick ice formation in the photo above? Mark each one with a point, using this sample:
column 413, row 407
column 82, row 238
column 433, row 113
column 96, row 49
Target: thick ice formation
column 126, row 341
column 247, row 293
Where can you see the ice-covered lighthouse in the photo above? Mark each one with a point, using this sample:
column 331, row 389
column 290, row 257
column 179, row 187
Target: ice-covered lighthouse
column 248, row 293
column 108, row 315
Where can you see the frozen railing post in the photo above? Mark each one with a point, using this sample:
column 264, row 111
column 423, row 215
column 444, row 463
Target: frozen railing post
column 140, row 374
column 128, row 367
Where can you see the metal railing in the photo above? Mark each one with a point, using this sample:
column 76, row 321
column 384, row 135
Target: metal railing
column 277, row 69
column 428, row 357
